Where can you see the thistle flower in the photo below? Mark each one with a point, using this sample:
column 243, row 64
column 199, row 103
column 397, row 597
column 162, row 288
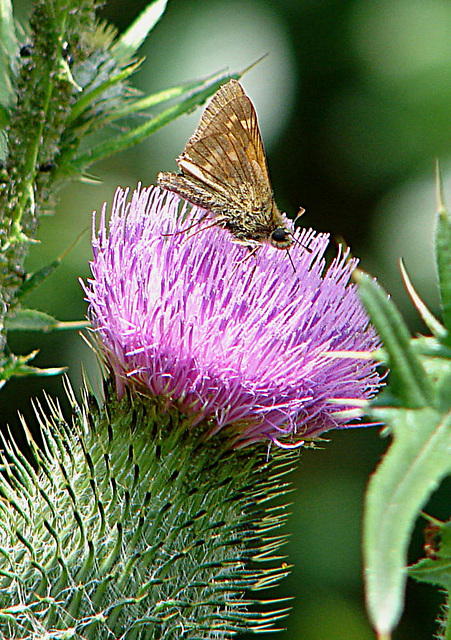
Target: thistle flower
column 236, row 342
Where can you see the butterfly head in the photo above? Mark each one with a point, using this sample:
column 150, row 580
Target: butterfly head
column 281, row 238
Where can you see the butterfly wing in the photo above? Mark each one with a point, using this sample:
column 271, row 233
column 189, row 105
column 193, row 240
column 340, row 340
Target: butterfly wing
column 223, row 170
column 226, row 151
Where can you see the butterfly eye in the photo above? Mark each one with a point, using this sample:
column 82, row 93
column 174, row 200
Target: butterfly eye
column 280, row 235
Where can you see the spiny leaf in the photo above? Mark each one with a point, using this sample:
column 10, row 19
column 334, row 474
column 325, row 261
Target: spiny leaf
column 412, row 468
column 7, row 28
column 138, row 134
column 16, row 366
column 8, row 50
column 408, row 381
column 434, row 569
column 132, row 39
column 443, row 255
column 34, row 280
column 165, row 96
column 434, row 326
column 89, row 97
column 34, row 320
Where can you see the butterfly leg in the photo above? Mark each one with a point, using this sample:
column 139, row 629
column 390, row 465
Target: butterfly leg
column 251, row 253
column 195, row 224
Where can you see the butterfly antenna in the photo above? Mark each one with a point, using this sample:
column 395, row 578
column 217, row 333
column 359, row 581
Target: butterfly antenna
column 302, row 245
column 300, row 213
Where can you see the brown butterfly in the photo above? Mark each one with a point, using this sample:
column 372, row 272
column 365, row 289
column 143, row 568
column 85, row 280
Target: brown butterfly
column 223, row 170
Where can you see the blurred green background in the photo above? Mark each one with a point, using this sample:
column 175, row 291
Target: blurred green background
column 354, row 102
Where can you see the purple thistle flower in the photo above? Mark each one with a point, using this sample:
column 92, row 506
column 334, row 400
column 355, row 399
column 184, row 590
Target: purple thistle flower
column 244, row 346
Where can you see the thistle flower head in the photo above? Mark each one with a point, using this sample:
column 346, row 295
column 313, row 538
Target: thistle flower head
column 242, row 344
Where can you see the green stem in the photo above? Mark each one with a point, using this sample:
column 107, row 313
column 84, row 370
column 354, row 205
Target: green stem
column 27, row 181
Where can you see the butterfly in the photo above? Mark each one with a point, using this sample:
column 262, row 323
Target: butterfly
column 223, row 169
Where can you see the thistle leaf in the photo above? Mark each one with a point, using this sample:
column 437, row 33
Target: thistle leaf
column 17, row 366
column 434, row 326
column 411, row 469
column 443, row 256
column 103, row 150
column 408, row 381
column 132, row 39
column 434, row 569
column 34, row 320
column 170, row 94
column 416, row 408
column 32, row 281
column 8, row 50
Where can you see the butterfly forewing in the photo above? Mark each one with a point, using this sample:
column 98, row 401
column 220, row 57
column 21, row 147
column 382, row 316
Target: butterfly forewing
column 228, row 149
column 223, row 169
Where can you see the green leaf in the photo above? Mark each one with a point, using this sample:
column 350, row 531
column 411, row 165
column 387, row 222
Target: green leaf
column 88, row 97
column 7, row 29
column 408, row 381
column 17, row 366
column 34, row 280
column 164, row 96
column 434, row 326
column 134, row 136
column 4, row 121
column 435, row 568
column 8, row 49
column 138, row 31
column 428, row 346
column 443, row 257
column 34, row 320
column 37, row 278
column 410, row 471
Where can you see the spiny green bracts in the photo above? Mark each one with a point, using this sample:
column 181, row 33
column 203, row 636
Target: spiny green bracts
column 129, row 524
